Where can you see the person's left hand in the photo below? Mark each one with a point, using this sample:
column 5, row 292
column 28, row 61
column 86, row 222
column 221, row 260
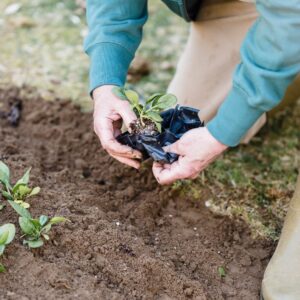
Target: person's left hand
column 196, row 149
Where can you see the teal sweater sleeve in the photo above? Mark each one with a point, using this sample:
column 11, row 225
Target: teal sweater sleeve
column 270, row 60
column 115, row 32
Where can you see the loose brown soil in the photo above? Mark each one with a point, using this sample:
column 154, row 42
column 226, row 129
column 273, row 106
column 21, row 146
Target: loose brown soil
column 129, row 238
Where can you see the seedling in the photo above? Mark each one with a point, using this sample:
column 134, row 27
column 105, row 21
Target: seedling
column 221, row 271
column 20, row 192
column 7, row 234
column 148, row 114
column 35, row 230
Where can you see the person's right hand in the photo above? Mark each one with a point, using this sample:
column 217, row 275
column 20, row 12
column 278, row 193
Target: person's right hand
column 109, row 112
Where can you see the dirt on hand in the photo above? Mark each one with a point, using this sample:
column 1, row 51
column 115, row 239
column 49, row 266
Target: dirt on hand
column 129, row 238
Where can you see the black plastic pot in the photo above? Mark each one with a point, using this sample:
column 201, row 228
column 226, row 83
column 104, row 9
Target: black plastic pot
column 176, row 122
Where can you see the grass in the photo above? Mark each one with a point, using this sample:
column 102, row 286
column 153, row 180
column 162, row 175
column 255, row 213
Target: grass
column 256, row 182
column 43, row 48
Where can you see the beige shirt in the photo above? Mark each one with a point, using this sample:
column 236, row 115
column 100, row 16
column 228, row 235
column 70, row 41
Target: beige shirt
column 217, row 9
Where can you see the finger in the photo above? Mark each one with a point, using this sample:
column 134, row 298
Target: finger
column 194, row 176
column 169, row 175
column 173, row 148
column 126, row 154
column 112, row 146
column 127, row 161
column 117, row 132
column 127, row 114
column 105, row 131
column 167, row 166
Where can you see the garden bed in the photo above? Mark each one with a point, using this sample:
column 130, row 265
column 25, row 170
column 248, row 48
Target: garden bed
column 128, row 238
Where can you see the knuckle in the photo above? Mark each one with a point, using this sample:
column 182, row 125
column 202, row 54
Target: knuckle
column 125, row 104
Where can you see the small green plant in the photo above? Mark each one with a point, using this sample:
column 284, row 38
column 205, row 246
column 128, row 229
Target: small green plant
column 152, row 107
column 19, row 192
column 35, row 230
column 222, row 272
column 7, row 234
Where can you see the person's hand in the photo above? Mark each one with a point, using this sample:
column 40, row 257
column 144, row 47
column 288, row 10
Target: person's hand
column 196, row 149
column 109, row 112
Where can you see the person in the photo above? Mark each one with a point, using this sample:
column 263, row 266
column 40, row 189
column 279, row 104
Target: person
column 241, row 60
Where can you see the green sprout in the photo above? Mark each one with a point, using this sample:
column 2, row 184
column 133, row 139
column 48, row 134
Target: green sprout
column 221, row 271
column 35, row 230
column 18, row 193
column 152, row 107
column 7, row 234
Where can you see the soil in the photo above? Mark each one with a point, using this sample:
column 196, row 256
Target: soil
column 129, row 238
column 146, row 127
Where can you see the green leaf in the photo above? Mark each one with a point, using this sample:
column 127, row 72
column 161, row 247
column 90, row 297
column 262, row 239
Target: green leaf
column 221, row 271
column 3, row 237
column 166, row 101
column 4, row 174
column 23, row 190
column 43, row 220
column 35, row 191
column 2, row 269
column 23, row 212
column 137, row 109
column 151, row 100
column 36, row 224
column 22, row 181
column 158, row 126
column 47, row 228
column 46, row 237
column 56, row 220
column 11, row 229
column 132, row 97
column 22, row 203
column 2, row 206
column 27, row 226
column 2, row 248
column 7, row 195
column 34, row 244
column 119, row 92
column 154, row 116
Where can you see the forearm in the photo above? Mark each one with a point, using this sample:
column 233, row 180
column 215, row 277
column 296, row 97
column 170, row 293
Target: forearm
column 115, row 32
column 270, row 60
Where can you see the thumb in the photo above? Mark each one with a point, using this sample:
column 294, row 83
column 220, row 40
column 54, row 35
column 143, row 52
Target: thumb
column 173, row 148
column 128, row 116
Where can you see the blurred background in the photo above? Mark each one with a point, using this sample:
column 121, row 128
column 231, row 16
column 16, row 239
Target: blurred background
column 41, row 47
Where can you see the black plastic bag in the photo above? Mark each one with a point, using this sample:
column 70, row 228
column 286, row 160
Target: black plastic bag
column 176, row 122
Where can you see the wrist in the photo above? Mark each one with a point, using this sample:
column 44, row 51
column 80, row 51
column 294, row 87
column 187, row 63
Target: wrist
column 216, row 142
column 101, row 91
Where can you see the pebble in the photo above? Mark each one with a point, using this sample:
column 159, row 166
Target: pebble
column 189, row 292
column 80, row 163
column 100, row 261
